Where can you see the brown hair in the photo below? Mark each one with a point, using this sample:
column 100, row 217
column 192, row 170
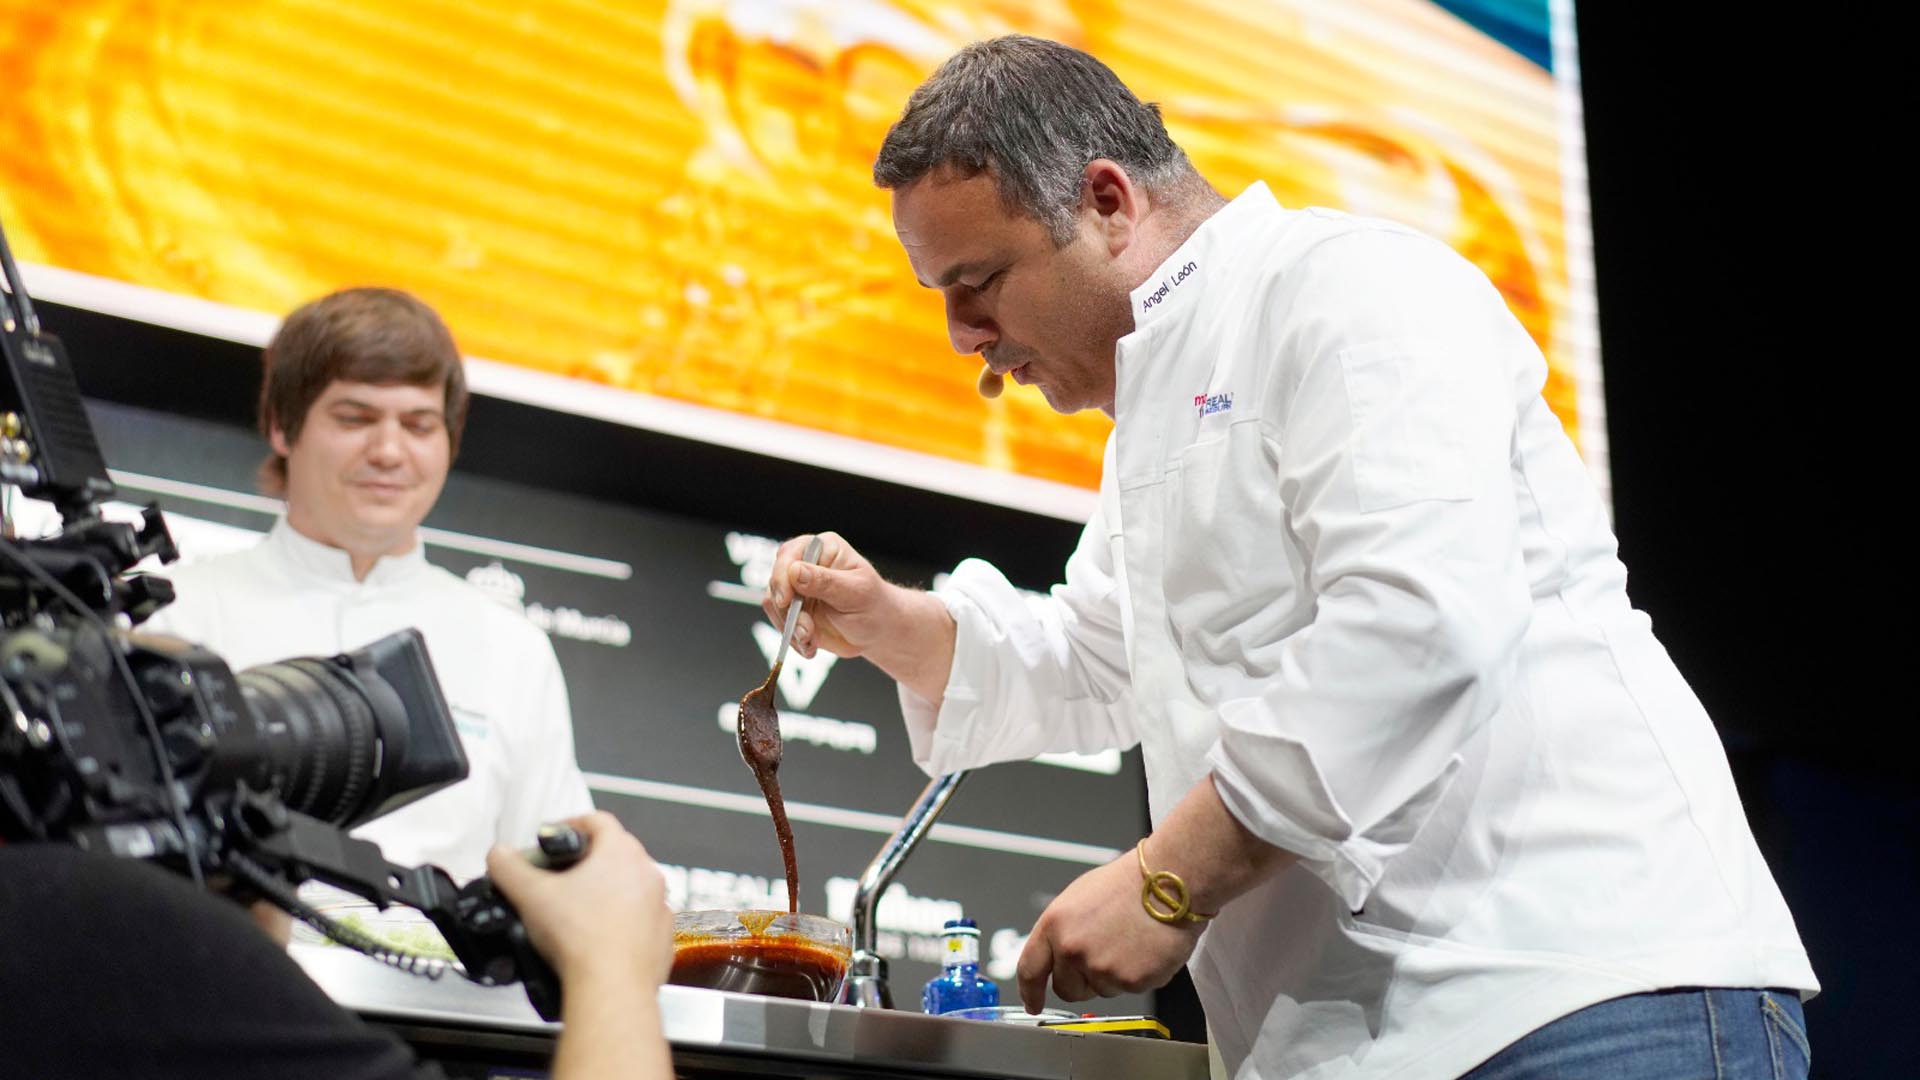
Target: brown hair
column 368, row 335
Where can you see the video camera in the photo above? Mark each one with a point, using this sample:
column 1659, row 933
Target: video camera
column 151, row 748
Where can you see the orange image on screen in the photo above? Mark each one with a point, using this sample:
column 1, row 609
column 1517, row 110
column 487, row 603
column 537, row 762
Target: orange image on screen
column 675, row 198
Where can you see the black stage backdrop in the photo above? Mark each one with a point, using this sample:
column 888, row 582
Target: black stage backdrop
column 1750, row 397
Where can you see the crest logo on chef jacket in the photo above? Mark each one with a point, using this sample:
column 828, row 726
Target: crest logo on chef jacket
column 801, row 676
column 470, row 723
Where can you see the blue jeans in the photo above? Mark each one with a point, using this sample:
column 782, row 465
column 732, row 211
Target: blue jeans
column 1666, row 1035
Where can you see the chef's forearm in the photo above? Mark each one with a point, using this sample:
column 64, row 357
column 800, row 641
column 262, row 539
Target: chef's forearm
column 1217, row 857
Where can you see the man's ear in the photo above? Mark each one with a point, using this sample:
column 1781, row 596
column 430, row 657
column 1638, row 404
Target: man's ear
column 278, row 440
column 1107, row 190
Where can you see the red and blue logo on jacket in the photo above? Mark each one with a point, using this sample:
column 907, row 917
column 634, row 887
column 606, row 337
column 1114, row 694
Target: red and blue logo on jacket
column 1208, row 404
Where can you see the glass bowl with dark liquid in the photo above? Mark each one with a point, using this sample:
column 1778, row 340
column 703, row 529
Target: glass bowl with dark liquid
column 774, row 953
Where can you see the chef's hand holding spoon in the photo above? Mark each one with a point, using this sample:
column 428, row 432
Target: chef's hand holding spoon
column 854, row 611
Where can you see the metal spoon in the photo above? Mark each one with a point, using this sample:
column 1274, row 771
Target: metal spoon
column 757, row 705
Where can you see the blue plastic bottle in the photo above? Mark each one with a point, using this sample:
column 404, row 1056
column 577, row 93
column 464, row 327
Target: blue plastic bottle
column 960, row 985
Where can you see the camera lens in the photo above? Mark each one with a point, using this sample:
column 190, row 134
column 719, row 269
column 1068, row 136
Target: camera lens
column 343, row 739
column 318, row 736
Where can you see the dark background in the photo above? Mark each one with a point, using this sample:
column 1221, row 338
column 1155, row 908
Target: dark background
column 1749, row 407
column 1749, row 411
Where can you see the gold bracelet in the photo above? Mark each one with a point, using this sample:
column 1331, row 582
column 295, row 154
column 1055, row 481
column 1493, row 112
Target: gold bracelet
column 1168, row 888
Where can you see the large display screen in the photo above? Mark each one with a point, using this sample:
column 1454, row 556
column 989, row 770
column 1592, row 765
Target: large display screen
column 660, row 212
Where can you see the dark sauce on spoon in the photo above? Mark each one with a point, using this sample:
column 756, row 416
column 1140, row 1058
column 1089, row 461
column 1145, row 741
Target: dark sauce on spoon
column 761, row 747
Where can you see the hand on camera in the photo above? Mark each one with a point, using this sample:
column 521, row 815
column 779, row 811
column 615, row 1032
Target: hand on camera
column 604, row 918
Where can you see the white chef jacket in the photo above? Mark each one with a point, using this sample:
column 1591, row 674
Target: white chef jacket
column 292, row 596
column 1347, row 561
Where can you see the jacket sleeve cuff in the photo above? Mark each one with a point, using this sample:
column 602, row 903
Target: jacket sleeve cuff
column 932, row 733
column 1291, row 808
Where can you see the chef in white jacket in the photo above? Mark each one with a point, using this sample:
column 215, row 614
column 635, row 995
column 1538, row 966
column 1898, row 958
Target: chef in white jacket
column 1427, row 795
column 363, row 403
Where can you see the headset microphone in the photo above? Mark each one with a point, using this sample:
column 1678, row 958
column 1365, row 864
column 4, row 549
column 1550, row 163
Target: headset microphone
column 991, row 382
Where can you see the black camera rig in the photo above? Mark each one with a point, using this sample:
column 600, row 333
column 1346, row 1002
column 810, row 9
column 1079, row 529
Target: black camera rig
column 150, row 748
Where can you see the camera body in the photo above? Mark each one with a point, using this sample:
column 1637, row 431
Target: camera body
column 150, row 748
column 113, row 737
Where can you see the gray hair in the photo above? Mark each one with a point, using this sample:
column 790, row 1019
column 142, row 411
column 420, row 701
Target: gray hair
column 1035, row 113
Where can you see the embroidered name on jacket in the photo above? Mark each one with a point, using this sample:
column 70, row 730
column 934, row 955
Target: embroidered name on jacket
column 1208, row 404
column 1167, row 285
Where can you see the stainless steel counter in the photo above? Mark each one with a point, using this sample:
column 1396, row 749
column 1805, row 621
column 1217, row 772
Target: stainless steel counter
column 747, row 1035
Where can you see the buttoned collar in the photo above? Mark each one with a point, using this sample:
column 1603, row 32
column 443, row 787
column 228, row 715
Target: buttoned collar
column 333, row 565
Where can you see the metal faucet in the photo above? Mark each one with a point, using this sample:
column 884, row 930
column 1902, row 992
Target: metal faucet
column 865, row 986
